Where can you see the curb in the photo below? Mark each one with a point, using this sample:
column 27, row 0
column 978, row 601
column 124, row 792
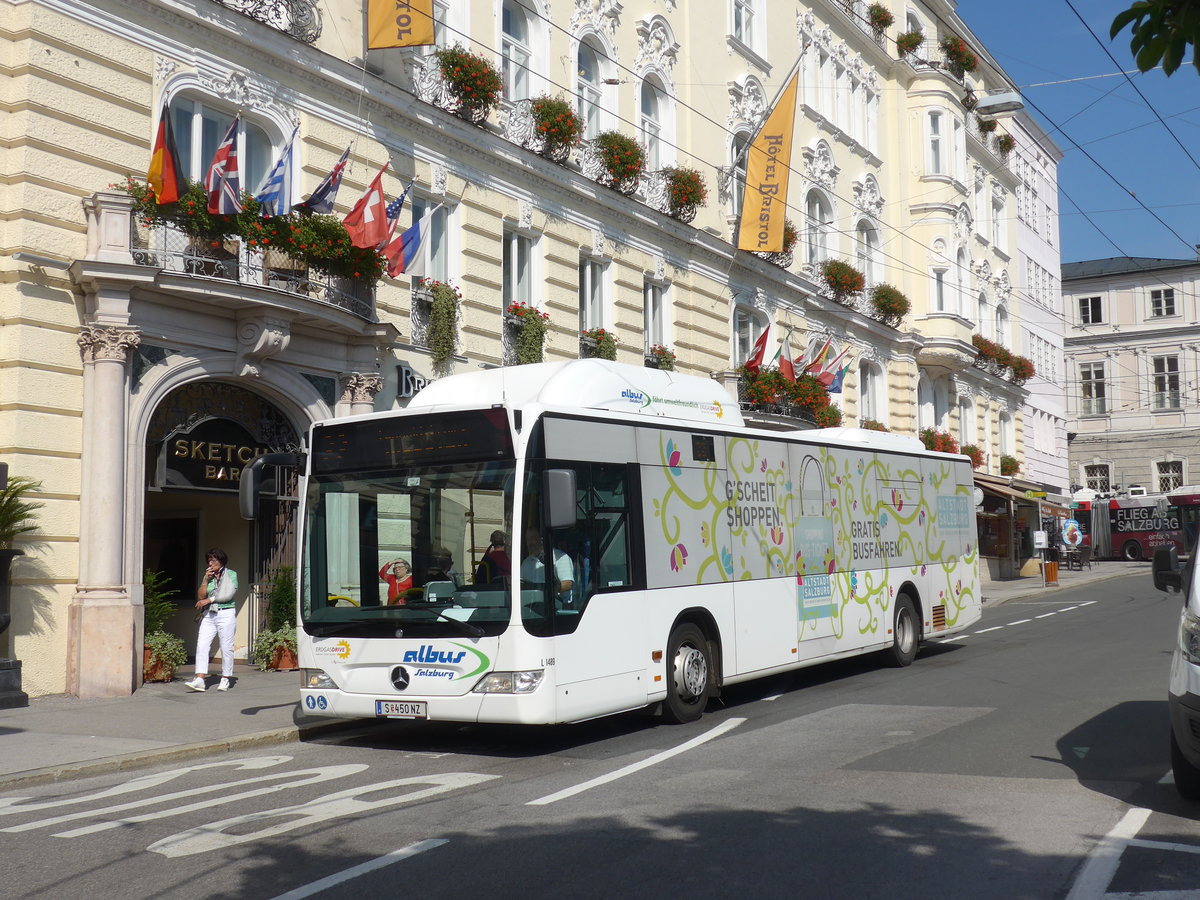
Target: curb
column 145, row 758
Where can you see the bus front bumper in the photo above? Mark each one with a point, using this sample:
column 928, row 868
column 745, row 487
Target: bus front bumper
column 534, row 708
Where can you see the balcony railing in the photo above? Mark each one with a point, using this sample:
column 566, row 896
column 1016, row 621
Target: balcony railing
column 300, row 19
column 167, row 248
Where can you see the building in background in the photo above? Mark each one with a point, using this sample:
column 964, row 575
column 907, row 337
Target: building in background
column 145, row 363
column 1132, row 354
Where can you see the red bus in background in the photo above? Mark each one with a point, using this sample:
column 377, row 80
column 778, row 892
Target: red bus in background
column 1132, row 527
column 1187, row 500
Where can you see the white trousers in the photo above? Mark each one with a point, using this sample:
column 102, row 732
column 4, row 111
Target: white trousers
column 220, row 623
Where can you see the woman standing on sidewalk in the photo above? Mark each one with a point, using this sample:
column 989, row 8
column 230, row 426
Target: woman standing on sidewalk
column 218, row 618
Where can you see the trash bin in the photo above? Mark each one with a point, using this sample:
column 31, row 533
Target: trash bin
column 1051, row 572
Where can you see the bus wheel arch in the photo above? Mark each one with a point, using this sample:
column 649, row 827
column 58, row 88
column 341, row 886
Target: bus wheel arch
column 692, row 666
column 1131, row 550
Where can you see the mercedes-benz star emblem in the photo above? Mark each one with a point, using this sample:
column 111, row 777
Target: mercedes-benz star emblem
column 400, row 678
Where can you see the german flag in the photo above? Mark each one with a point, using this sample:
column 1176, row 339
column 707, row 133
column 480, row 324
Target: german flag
column 165, row 175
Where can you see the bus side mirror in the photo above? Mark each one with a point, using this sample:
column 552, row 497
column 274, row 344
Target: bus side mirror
column 1164, row 569
column 252, row 476
column 558, row 497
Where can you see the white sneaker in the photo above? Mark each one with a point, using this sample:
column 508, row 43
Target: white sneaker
column 196, row 684
column 224, row 685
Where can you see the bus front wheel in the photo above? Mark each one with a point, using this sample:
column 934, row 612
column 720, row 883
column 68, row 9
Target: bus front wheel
column 1132, row 551
column 906, row 633
column 689, row 674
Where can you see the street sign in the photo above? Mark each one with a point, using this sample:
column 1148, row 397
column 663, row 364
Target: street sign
column 1035, row 495
column 1074, row 505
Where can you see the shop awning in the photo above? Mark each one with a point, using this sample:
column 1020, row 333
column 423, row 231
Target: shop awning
column 1007, row 493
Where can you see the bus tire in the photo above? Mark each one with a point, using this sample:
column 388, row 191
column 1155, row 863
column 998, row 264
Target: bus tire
column 906, row 634
column 1132, row 551
column 689, row 674
column 1187, row 776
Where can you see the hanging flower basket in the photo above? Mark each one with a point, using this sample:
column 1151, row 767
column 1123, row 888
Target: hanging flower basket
column 557, row 128
column 472, row 81
column 909, row 43
column 660, row 357
column 686, row 192
column 842, row 279
column 1020, row 370
column 957, row 56
column 601, row 343
column 530, row 325
column 443, row 320
column 872, row 425
column 1006, row 143
column 622, row 161
column 768, row 391
column 889, row 305
column 940, row 441
column 986, row 127
column 1009, row 465
column 880, row 16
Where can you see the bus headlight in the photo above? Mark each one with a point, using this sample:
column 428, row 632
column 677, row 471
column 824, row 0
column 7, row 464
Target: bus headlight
column 510, row 682
column 317, row 680
column 1189, row 637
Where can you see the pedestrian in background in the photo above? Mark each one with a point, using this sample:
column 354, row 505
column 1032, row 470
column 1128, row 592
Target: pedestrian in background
column 218, row 618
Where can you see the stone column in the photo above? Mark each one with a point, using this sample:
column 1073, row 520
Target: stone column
column 104, row 627
column 358, row 393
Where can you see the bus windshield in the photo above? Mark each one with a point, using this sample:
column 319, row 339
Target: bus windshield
column 415, row 551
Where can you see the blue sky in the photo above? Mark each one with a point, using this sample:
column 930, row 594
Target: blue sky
column 1038, row 43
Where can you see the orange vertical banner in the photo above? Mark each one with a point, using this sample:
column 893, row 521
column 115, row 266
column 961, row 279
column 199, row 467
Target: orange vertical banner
column 399, row 23
column 768, row 164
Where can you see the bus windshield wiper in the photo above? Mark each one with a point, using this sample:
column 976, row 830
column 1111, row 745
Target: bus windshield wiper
column 467, row 627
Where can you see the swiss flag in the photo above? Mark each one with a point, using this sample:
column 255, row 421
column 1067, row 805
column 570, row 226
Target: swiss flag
column 755, row 361
column 367, row 224
column 786, row 367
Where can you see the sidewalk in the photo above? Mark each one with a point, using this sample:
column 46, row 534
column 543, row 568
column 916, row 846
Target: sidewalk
column 63, row 737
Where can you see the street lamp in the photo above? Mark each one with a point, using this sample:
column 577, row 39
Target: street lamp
column 999, row 103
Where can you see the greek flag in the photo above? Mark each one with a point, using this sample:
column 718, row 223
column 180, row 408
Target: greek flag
column 275, row 194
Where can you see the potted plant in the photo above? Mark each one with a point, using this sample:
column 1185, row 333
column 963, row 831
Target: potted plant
column 557, row 128
column 443, row 320
column 622, row 161
column 686, row 192
column 969, row 100
column 872, row 425
column 1020, row 369
column 601, row 342
column 162, row 652
column 842, row 279
column 909, row 43
column 473, row 82
column 889, row 304
column 828, row 417
column 880, row 16
column 17, row 518
column 1006, row 144
column 957, row 55
column 1009, row 465
column 986, row 127
column 530, row 325
column 938, row 440
column 275, row 645
column 975, row 453
column 660, row 357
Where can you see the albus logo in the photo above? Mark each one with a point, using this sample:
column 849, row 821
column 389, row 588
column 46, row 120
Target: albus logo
column 639, row 397
column 428, row 655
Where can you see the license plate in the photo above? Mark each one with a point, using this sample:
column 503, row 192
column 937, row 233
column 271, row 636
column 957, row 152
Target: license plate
column 400, row 709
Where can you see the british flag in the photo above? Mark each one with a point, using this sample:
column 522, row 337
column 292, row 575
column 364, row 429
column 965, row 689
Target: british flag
column 221, row 181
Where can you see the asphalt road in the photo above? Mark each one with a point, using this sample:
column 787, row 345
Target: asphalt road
column 1023, row 760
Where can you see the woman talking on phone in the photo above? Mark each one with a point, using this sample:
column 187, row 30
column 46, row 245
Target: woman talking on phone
column 218, row 618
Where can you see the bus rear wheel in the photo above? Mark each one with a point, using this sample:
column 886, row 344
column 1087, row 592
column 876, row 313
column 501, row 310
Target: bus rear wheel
column 689, row 674
column 906, row 634
column 1132, row 551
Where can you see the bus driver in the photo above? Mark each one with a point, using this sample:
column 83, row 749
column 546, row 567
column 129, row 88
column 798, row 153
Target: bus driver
column 533, row 567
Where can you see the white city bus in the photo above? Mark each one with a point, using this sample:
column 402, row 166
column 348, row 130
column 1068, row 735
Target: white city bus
column 685, row 551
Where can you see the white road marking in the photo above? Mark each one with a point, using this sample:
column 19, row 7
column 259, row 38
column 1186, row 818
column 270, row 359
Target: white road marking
column 772, row 697
column 1101, row 865
column 1068, row 608
column 986, row 630
column 957, row 637
column 1087, row 603
column 1046, row 615
column 1152, row 895
column 342, row 804
column 1163, row 845
column 1020, row 621
column 727, row 725
column 337, row 878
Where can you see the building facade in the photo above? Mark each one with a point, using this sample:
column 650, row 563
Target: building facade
column 1131, row 351
column 144, row 367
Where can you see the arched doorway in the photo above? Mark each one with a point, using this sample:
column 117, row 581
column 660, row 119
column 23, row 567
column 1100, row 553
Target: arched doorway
column 199, row 437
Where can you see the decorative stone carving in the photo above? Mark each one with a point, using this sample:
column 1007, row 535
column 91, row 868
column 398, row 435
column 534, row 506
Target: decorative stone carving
column 438, row 177
column 999, row 193
column 603, row 16
column 259, row 338
column 361, row 387
column 660, row 269
column 599, row 243
column 107, row 343
column 983, row 272
column 657, row 50
column 819, row 167
column 962, row 223
column 242, row 90
column 747, row 102
column 1003, row 285
column 526, row 215
column 867, row 196
column 163, row 69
